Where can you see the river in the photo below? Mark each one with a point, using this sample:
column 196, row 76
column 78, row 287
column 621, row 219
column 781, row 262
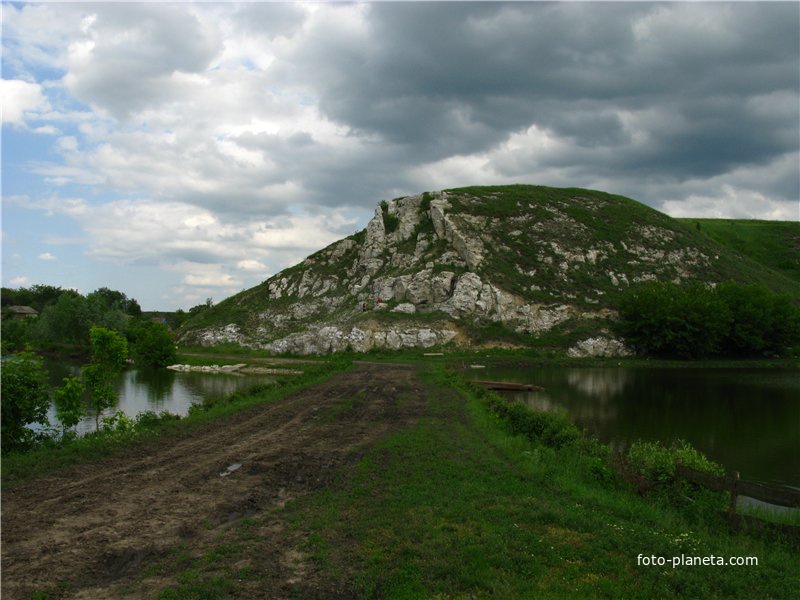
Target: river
column 140, row 390
column 748, row 420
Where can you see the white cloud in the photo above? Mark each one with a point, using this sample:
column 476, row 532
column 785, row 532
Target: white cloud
column 132, row 56
column 251, row 265
column 245, row 136
column 730, row 202
column 21, row 101
column 51, row 205
column 47, row 130
column 20, row 281
column 205, row 275
column 47, row 256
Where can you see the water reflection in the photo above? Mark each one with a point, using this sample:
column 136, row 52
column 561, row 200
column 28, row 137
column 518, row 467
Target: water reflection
column 140, row 390
column 748, row 420
column 601, row 384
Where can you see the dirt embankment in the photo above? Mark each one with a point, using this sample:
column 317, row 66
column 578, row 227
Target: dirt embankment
column 93, row 531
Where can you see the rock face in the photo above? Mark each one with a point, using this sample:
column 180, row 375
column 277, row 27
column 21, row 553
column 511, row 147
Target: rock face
column 598, row 346
column 436, row 268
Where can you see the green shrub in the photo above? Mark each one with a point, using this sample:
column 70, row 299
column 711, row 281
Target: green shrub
column 109, row 351
column 425, row 205
column 152, row 344
column 656, row 462
column 69, row 404
column 25, row 397
column 390, row 220
column 550, row 429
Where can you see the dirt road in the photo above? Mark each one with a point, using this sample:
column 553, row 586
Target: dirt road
column 93, row 532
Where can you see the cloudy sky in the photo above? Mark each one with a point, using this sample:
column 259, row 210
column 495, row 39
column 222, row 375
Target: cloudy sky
column 178, row 152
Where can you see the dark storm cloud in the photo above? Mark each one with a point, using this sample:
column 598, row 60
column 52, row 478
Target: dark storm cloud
column 129, row 67
column 449, row 79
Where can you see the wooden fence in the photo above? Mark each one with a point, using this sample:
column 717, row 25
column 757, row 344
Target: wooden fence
column 780, row 496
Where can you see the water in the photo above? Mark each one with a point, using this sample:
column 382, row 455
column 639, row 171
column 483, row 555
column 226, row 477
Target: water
column 747, row 420
column 140, row 390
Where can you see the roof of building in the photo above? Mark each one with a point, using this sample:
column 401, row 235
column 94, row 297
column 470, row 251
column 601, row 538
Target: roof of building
column 23, row 310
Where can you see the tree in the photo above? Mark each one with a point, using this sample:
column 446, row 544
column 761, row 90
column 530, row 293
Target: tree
column 15, row 334
column 761, row 322
column 115, row 300
column 696, row 321
column 24, row 397
column 152, row 344
column 666, row 319
column 66, row 322
column 109, row 351
column 36, row 296
column 68, row 400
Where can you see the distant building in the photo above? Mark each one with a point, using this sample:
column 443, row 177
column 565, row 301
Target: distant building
column 22, row 312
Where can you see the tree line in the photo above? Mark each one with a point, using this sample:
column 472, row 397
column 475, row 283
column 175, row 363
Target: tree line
column 104, row 326
column 728, row 320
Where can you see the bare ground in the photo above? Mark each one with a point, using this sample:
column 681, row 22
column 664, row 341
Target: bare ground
column 97, row 530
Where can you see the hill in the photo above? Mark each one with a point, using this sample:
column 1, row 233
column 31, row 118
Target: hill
column 512, row 265
column 774, row 244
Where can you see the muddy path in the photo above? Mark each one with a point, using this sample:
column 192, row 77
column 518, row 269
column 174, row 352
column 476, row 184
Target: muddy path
column 93, row 531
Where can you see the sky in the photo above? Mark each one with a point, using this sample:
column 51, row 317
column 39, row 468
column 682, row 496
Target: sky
column 184, row 151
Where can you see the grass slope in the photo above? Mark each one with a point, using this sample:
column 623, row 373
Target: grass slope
column 576, row 220
column 774, row 244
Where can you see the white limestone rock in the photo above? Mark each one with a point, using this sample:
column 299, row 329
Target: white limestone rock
column 599, row 346
column 405, row 307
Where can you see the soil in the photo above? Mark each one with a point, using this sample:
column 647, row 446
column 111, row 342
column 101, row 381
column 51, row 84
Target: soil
column 100, row 530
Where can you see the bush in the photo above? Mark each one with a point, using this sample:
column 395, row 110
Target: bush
column 390, row 221
column 25, row 397
column 550, row 429
column 656, row 462
column 425, row 205
column 152, row 344
column 69, row 403
column 109, row 351
column 697, row 321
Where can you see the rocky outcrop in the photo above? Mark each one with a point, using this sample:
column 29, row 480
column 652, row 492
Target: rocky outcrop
column 325, row 340
column 469, row 248
column 429, row 267
column 600, row 346
column 207, row 368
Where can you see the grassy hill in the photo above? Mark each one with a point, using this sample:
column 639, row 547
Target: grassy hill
column 773, row 244
column 512, row 263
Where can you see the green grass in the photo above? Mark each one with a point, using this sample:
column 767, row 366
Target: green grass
column 780, row 517
column 578, row 219
column 455, row 507
column 775, row 244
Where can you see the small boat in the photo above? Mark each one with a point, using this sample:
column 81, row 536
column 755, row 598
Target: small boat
column 508, row 386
